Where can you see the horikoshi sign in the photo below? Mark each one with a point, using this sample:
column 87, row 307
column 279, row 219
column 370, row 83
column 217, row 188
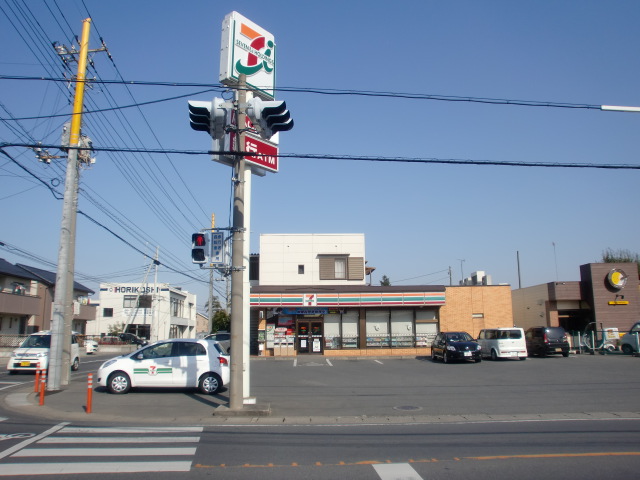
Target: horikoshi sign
column 249, row 49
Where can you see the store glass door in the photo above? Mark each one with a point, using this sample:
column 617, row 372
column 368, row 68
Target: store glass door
column 309, row 336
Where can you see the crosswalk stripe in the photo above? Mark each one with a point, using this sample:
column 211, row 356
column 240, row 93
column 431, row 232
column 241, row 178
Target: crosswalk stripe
column 395, row 471
column 103, row 452
column 93, row 467
column 84, row 440
column 70, row 429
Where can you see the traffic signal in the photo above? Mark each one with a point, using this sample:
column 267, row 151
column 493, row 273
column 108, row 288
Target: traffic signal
column 208, row 117
column 199, row 252
column 269, row 117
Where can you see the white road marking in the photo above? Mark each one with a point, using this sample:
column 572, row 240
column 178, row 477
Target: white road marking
column 329, row 362
column 396, row 471
column 15, row 448
column 53, row 440
column 92, row 468
column 132, row 430
column 378, row 361
column 103, row 452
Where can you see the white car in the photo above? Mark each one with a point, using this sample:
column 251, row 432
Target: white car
column 90, row 346
column 180, row 362
column 33, row 354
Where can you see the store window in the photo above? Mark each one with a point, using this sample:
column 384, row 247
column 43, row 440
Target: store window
column 332, row 340
column 350, row 329
column 426, row 327
column 402, row 328
column 378, row 328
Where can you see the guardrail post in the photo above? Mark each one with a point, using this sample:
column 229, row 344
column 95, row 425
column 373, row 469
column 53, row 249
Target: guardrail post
column 43, row 386
column 89, row 392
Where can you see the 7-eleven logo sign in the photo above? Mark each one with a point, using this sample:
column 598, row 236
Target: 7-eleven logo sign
column 310, row 300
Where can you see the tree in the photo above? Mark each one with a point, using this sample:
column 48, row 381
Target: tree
column 621, row 256
column 221, row 319
column 385, row 282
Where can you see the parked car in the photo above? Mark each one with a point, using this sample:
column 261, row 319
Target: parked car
column 455, row 346
column 545, row 341
column 186, row 363
column 131, row 338
column 90, row 346
column 503, row 343
column 629, row 341
column 223, row 337
column 33, row 354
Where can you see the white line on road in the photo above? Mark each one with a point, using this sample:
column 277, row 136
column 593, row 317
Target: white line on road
column 103, row 452
column 132, row 430
column 92, row 468
column 82, row 440
column 378, row 361
column 295, row 362
column 330, row 364
column 15, row 448
column 396, row 471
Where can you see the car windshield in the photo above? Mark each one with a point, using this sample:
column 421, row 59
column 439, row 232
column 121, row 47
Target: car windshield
column 513, row 334
column 459, row 337
column 37, row 341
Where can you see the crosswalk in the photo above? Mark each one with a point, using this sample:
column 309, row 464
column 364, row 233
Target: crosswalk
column 87, row 450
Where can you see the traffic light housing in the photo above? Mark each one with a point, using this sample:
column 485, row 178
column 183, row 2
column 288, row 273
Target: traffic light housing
column 269, row 117
column 210, row 117
column 199, row 246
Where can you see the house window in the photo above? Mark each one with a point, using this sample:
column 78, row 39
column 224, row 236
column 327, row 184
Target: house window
column 340, row 268
column 300, row 269
column 130, row 301
column 107, row 312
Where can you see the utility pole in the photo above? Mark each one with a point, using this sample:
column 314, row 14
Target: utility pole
column 236, row 394
column 60, row 353
column 210, row 326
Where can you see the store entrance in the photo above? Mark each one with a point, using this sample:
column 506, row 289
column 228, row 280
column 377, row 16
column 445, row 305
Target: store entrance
column 309, row 336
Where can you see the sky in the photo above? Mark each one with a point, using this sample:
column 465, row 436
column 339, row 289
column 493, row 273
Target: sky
column 421, row 220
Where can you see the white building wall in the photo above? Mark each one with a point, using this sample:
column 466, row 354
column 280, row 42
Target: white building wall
column 281, row 254
column 160, row 317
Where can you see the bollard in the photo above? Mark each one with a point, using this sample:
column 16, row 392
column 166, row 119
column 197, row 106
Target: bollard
column 36, row 385
column 89, row 392
column 43, row 386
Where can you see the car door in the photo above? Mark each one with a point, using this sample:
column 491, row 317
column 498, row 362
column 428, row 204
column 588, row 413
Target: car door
column 154, row 366
column 438, row 345
column 192, row 361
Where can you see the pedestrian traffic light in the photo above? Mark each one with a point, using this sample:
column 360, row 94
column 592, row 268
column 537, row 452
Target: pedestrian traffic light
column 199, row 248
column 269, row 117
column 208, row 117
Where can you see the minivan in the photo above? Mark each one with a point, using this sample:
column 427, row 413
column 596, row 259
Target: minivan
column 33, row 354
column 545, row 341
column 629, row 341
column 503, row 343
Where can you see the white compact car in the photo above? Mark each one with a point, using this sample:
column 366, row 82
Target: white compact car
column 33, row 354
column 180, row 362
column 90, row 346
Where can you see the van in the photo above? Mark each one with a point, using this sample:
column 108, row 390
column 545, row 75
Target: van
column 629, row 341
column 503, row 343
column 545, row 341
column 33, row 354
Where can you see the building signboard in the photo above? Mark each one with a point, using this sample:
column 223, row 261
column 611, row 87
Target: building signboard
column 247, row 48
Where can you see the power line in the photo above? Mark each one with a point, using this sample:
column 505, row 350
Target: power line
column 361, row 158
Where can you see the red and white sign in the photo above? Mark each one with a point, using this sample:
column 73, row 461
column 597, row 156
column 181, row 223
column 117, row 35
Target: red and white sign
column 268, row 158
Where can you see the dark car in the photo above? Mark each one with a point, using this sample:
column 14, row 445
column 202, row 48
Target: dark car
column 134, row 339
column 223, row 338
column 455, row 346
column 545, row 341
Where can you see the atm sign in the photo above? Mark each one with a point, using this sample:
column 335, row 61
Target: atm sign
column 268, row 154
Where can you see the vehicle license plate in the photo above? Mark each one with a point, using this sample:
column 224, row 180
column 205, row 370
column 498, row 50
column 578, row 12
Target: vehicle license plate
column 25, row 364
column 558, row 349
column 514, row 354
column 467, row 354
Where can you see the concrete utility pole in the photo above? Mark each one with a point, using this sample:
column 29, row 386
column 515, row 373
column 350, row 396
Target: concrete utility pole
column 236, row 394
column 60, row 353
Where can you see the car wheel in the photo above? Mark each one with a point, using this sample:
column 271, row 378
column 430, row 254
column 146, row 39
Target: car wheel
column 522, row 358
column 565, row 354
column 478, row 360
column 13, row 372
column 494, row 355
column 76, row 364
column 118, row 383
column 210, row 383
column 627, row 349
column 445, row 357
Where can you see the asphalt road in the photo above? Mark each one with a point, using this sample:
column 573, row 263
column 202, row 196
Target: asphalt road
column 556, row 417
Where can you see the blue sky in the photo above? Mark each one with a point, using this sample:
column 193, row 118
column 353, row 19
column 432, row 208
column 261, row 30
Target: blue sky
column 419, row 219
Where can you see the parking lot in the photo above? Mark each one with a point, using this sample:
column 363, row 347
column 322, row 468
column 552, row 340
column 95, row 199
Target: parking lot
column 394, row 386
